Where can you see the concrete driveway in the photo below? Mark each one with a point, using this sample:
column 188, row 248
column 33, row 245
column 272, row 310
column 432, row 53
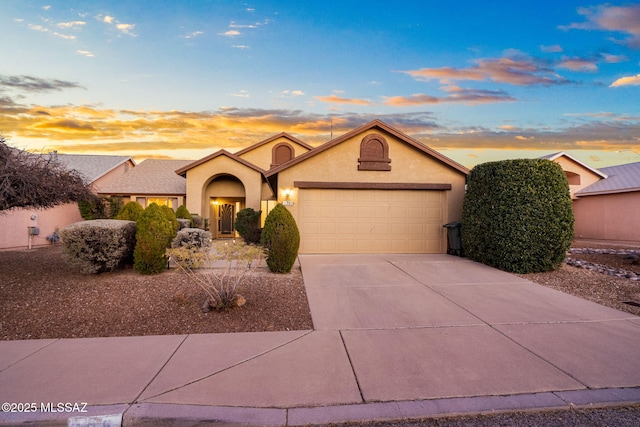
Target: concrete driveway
column 435, row 326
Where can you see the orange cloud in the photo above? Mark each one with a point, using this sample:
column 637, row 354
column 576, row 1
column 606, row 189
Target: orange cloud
column 521, row 71
column 627, row 81
column 334, row 99
column 456, row 94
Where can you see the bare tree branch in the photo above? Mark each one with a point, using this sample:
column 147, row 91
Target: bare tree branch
column 30, row 180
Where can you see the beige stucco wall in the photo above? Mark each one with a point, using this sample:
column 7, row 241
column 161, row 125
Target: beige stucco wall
column 262, row 156
column 608, row 217
column 199, row 178
column 408, row 165
column 587, row 177
column 15, row 222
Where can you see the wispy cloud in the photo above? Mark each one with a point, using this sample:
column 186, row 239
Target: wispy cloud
column 241, row 94
column 231, row 33
column 85, row 53
column 335, row 99
column 578, row 64
column 515, row 70
column 192, row 35
column 627, row 81
column 614, row 59
column 122, row 27
column 36, row 84
column 292, row 93
column 623, row 19
column 456, row 95
column 551, row 49
column 71, row 24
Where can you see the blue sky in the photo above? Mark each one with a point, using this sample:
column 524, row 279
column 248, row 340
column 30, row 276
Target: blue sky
column 476, row 80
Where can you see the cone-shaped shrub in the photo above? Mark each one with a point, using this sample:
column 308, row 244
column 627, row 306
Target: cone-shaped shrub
column 130, row 212
column 153, row 236
column 281, row 238
column 517, row 215
column 171, row 216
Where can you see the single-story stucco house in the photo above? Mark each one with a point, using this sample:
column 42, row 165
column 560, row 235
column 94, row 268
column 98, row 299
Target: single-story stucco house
column 372, row 190
column 98, row 171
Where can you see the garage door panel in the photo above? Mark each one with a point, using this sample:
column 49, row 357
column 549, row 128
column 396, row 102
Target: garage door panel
column 370, row 221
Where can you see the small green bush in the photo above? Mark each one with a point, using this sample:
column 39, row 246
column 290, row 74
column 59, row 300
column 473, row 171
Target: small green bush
column 153, row 236
column 183, row 212
column 99, row 245
column 517, row 215
column 281, row 238
column 248, row 225
column 130, row 212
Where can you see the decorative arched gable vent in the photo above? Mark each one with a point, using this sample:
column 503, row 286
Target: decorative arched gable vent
column 281, row 153
column 374, row 154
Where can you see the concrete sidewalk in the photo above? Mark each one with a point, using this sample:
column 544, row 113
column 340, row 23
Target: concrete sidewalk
column 396, row 336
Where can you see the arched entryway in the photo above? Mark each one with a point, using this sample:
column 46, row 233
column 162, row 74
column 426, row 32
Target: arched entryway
column 225, row 196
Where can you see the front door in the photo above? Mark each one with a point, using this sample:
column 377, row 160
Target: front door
column 226, row 217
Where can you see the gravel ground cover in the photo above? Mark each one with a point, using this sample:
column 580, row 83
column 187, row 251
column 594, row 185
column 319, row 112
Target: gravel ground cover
column 40, row 297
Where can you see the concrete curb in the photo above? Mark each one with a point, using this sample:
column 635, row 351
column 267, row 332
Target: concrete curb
column 157, row 414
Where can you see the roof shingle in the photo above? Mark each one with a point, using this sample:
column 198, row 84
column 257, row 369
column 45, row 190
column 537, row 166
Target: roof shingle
column 152, row 176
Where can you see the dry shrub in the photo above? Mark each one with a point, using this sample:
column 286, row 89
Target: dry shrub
column 220, row 271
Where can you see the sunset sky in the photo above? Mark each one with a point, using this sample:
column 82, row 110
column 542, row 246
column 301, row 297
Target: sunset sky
column 181, row 79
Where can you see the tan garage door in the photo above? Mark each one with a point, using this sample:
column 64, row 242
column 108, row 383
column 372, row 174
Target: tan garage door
column 371, row 221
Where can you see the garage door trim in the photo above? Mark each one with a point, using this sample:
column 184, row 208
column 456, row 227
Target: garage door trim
column 327, row 185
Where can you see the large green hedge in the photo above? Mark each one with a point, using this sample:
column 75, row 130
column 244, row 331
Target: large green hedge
column 517, row 215
column 281, row 238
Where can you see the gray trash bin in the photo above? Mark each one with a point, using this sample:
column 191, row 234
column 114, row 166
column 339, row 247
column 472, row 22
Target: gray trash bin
column 454, row 239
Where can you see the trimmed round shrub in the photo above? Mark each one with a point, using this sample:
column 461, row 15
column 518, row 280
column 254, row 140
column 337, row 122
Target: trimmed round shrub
column 153, row 236
column 517, row 215
column 130, row 212
column 281, row 238
column 100, row 245
column 248, row 225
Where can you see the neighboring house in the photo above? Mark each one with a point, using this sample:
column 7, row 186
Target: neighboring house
column 152, row 181
column 610, row 208
column 15, row 224
column 372, row 190
column 578, row 173
column 606, row 201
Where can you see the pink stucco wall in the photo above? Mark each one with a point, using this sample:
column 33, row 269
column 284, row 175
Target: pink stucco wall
column 15, row 222
column 14, row 225
column 608, row 217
